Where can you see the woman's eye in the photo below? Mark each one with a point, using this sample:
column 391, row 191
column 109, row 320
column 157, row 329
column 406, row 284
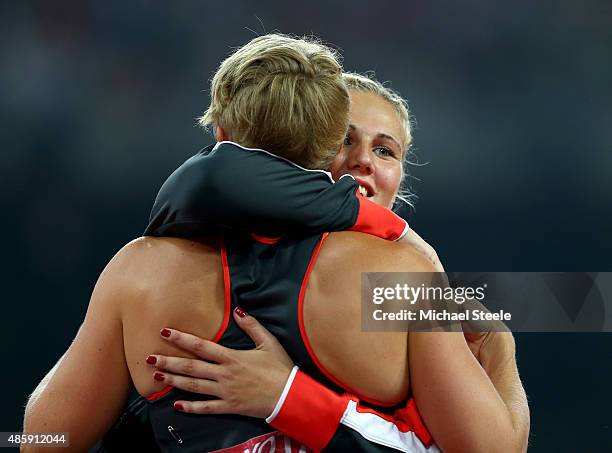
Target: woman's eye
column 347, row 140
column 384, row 152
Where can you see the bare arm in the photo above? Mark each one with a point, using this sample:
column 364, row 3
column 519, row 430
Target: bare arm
column 497, row 356
column 465, row 409
column 86, row 390
column 467, row 385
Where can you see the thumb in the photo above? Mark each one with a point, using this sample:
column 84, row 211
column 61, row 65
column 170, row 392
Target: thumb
column 258, row 333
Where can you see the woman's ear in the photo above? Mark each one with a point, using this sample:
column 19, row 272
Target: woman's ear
column 221, row 135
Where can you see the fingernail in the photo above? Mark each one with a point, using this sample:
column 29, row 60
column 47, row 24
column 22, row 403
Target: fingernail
column 165, row 333
column 240, row 312
column 159, row 376
column 178, row 406
column 151, row 360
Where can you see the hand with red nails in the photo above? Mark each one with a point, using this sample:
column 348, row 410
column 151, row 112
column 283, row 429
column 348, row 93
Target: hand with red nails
column 245, row 382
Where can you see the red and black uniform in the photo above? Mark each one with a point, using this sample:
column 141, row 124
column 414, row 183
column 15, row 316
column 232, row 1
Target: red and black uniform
column 277, row 213
column 231, row 187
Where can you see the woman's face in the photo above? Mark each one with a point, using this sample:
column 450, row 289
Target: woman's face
column 372, row 151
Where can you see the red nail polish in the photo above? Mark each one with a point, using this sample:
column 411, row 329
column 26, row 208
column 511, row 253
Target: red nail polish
column 240, row 312
column 151, row 360
column 178, row 406
column 159, row 376
column 165, row 333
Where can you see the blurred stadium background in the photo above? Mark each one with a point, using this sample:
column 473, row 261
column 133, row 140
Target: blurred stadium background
column 513, row 102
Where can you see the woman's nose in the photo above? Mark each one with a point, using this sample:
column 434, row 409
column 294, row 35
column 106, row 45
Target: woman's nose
column 360, row 158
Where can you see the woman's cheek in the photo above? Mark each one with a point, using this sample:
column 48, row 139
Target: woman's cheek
column 388, row 186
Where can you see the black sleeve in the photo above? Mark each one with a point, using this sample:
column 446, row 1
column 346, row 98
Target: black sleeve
column 236, row 188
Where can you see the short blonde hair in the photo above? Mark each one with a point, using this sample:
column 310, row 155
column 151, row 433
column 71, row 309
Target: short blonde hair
column 285, row 95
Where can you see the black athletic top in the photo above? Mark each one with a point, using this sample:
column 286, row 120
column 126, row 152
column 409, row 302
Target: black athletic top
column 266, row 280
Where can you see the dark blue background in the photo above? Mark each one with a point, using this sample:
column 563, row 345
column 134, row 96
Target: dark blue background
column 513, row 102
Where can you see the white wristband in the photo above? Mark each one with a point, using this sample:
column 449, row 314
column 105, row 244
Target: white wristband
column 281, row 400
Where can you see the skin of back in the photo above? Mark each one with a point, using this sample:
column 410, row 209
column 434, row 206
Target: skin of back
column 372, row 364
column 153, row 283
column 181, row 286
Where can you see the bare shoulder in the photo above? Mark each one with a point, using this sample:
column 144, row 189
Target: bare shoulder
column 373, row 254
column 147, row 254
column 147, row 263
column 147, row 247
column 167, row 282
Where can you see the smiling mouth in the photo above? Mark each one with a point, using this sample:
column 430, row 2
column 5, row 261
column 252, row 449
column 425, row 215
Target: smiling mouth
column 364, row 191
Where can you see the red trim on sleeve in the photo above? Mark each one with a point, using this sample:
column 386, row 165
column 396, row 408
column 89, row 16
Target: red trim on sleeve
column 311, row 412
column 378, row 221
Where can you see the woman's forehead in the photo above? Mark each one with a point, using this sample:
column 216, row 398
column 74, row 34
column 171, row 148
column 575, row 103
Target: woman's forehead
column 375, row 116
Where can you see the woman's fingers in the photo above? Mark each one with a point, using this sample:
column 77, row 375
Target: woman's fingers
column 264, row 340
column 187, row 383
column 245, row 382
column 204, row 407
column 187, row 367
column 258, row 333
column 204, row 349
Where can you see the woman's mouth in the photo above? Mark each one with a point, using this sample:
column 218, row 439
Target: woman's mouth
column 364, row 188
